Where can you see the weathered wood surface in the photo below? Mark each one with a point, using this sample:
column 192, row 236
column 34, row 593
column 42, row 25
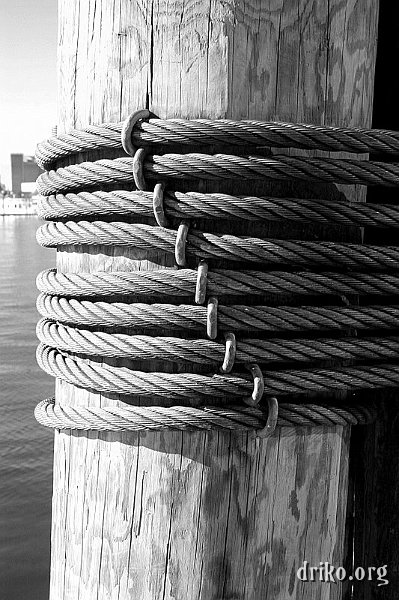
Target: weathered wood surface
column 202, row 516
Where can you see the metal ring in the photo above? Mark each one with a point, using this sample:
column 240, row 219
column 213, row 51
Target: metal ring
column 202, row 280
column 230, row 354
column 212, row 318
column 127, row 129
column 158, row 206
column 138, row 169
column 180, row 245
column 272, row 417
column 259, row 385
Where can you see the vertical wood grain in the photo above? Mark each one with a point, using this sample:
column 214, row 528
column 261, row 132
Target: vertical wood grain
column 202, row 516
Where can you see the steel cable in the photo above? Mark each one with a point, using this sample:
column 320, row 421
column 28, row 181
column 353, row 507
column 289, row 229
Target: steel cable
column 134, row 418
column 64, row 332
column 209, row 352
column 221, row 282
column 196, row 389
column 219, row 246
column 238, row 318
column 202, row 132
column 194, row 205
column 219, row 168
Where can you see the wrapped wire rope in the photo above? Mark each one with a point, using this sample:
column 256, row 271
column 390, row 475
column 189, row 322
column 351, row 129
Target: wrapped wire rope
column 163, row 283
column 196, row 388
column 129, row 418
column 219, row 168
column 227, row 247
column 210, row 352
column 226, row 132
column 240, row 318
column 72, row 302
column 195, row 205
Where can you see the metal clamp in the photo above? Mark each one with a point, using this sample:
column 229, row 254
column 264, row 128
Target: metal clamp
column 230, row 353
column 127, row 129
column 212, row 318
column 158, row 205
column 259, row 385
column 272, row 417
column 180, row 245
column 138, row 169
column 202, row 281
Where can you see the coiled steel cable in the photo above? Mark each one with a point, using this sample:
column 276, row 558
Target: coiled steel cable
column 238, row 318
column 219, row 168
column 209, row 352
column 195, row 205
column 221, row 282
column 196, row 389
column 58, row 339
column 204, row 132
column 135, row 418
column 228, row 247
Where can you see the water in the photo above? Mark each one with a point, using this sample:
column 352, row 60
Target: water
column 25, row 446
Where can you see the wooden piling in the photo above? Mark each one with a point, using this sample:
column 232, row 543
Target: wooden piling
column 202, row 516
column 375, row 448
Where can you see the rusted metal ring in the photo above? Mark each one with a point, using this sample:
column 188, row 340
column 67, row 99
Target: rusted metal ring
column 259, row 385
column 180, row 245
column 127, row 129
column 158, row 206
column 272, row 417
column 202, row 280
column 230, row 353
column 212, row 318
column 138, row 169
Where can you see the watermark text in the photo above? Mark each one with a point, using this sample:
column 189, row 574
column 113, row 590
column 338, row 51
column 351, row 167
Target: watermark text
column 326, row 572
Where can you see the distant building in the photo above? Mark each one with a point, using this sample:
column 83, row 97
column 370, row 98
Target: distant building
column 23, row 170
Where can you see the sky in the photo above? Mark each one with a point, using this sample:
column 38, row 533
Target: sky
column 28, row 80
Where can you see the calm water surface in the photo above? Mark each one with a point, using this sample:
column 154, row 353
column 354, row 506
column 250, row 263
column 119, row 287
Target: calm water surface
column 25, row 446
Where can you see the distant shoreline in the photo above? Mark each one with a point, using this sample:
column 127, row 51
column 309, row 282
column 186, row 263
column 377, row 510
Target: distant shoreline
column 17, row 206
column 19, row 214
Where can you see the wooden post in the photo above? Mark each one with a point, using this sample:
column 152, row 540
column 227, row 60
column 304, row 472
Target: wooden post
column 196, row 516
column 375, row 448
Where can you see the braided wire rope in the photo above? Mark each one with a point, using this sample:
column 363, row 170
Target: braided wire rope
column 220, row 246
column 209, row 352
column 196, row 205
column 134, row 418
column 220, row 282
column 219, row 132
column 219, row 168
column 267, row 319
column 196, row 389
